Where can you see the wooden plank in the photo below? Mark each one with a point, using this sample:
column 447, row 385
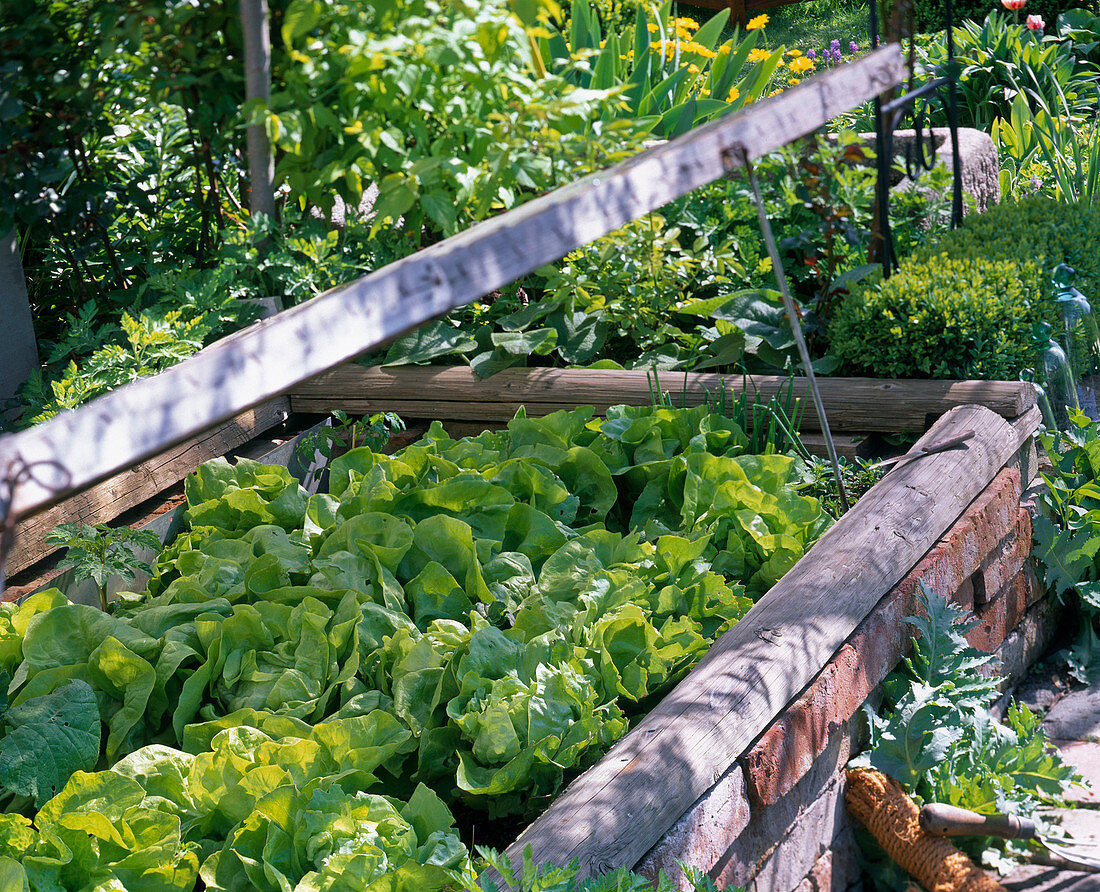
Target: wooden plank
column 112, row 497
column 166, row 526
column 614, row 813
column 852, row 404
column 130, row 424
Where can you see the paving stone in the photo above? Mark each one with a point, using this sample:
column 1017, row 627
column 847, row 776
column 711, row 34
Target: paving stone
column 1085, row 757
column 1042, row 878
column 1075, row 717
column 1077, row 823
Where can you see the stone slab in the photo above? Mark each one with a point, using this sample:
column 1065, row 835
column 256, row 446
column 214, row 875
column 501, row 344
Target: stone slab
column 1075, row 717
column 1043, row 878
column 1082, row 824
column 1084, row 756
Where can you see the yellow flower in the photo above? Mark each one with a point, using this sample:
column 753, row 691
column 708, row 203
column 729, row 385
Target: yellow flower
column 652, row 26
column 758, row 55
column 690, row 24
column 759, row 22
column 793, row 81
column 693, row 69
column 734, row 95
column 802, row 64
column 724, row 49
column 775, row 92
column 794, row 52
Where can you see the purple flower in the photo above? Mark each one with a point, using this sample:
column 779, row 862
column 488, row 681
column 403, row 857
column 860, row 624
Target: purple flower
column 811, row 55
column 834, row 44
column 837, row 55
column 853, row 47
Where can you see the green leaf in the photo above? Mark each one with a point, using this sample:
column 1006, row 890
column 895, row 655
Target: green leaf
column 429, row 342
column 538, row 341
column 50, row 737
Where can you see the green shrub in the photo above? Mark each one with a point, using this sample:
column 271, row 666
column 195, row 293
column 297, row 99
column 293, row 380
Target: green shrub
column 1040, row 229
column 963, row 308
column 943, row 317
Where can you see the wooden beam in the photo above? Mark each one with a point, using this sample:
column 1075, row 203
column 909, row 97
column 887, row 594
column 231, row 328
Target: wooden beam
column 852, row 404
column 112, row 497
column 167, row 525
column 614, row 813
column 130, row 424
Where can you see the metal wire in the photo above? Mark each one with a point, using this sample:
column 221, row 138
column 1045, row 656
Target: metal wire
column 796, row 326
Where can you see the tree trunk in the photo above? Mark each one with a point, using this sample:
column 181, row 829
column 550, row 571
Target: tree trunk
column 19, row 353
column 257, row 75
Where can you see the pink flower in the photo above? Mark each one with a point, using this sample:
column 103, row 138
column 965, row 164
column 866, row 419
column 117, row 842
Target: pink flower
column 1013, row 4
column 1036, row 23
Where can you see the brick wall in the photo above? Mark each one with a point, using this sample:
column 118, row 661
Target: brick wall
column 775, row 822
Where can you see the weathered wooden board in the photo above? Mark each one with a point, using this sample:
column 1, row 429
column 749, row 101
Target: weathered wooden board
column 614, row 813
column 132, row 423
column 306, row 467
column 852, row 404
column 112, row 497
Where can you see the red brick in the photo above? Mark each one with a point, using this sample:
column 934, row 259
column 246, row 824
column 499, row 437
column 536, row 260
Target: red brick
column 1035, row 590
column 1006, row 561
column 959, row 554
column 799, row 735
column 1001, row 615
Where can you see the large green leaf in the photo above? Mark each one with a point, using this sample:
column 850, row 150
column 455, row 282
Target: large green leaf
column 48, row 738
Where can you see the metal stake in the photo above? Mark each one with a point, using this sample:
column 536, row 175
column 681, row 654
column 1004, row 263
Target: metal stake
column 796, row 326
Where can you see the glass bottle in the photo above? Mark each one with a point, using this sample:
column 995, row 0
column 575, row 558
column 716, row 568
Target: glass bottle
column 1082, row 339
column 1028, row 375
column 1055, row 377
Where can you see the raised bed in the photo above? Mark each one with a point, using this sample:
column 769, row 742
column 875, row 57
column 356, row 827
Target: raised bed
column 745, row 753
column 779, row 691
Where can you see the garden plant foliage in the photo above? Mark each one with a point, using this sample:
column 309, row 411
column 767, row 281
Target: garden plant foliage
column 937, row 736
column 310, row 681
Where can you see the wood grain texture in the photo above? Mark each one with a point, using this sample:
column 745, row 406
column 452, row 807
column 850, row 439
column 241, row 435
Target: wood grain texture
column 614, row 813
column 852, row 404
column 130, row 424
column 107, row 500
column 167, row 526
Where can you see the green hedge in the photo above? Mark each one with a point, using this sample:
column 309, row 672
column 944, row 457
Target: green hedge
column 945, row 317
column 964, row 307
